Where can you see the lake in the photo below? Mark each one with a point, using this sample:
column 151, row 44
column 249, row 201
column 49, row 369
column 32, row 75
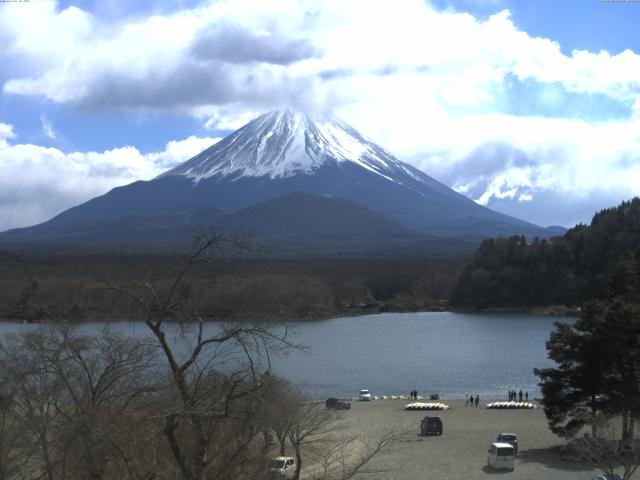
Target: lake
column 452, row 354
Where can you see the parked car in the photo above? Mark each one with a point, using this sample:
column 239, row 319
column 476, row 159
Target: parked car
column 364, row 396
column 431, row 426
column 501, row 456
column 283, row 467
column 337, row 404
column 509, row 438
column 608, row 477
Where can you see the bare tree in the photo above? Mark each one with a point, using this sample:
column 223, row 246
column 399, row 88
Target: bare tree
column 348, row 457
column 318, row 433
column 213, row 371
column 282, row 402
column 14, row 442
column 612, row 450
column 78, row 400
column 99, row 407
column 35, row 397
column 310, row 424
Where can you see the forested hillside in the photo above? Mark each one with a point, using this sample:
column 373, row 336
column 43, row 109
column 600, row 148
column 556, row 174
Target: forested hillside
column 80, row 287
column 591, row 262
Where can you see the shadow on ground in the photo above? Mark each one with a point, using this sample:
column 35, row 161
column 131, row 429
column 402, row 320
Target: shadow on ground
column 550, row 458
column 488, row 469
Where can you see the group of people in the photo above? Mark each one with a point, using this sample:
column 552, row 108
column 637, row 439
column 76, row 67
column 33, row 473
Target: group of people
column 470, row 401
column 413, row 395
column 518, row 396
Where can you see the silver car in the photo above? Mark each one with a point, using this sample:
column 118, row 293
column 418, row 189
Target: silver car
column 365, row 395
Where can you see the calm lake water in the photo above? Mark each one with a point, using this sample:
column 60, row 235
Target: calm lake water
column 450, row 353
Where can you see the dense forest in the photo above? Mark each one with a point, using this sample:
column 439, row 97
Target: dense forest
column 598, row 261
column 83, row 287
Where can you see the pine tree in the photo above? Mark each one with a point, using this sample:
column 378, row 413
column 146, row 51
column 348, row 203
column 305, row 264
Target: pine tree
column 598, row 369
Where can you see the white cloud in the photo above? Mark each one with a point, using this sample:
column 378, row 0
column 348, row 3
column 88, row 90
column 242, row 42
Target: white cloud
column 47, row 128
column 531, row 159
column 225, row 118
column 38, row 182
column 6, row 132
column 309, row 53
column 423, row 83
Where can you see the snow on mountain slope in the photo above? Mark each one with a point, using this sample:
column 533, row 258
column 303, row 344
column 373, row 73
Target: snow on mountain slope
column 283, row 143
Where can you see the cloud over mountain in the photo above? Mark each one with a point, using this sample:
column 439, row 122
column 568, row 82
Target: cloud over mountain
column 38, row 182
column 440, row 89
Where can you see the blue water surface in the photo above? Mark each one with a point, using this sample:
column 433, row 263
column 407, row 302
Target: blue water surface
column 453, row 354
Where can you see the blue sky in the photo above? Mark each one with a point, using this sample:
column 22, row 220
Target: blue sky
column 592, row 25
column 530, row 108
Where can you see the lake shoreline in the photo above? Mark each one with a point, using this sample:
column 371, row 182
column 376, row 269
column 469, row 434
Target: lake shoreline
column 358, row 311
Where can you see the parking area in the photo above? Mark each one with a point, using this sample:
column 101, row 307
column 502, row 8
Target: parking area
column 460, row 453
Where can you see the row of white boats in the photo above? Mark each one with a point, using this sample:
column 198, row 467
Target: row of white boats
column 493, row 405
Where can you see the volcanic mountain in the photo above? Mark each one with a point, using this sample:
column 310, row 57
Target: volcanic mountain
column 284, row 174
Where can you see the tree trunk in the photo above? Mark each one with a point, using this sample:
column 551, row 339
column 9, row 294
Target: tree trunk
column 594, row 419
column 626, row 416
column 265, row 442
column 282, row 439
column 296, row 475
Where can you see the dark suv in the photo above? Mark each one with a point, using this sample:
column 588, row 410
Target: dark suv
column 509, row 438
column 431, row 426
column 337, row 404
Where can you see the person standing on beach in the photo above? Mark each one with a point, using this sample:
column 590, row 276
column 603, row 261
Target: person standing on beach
column 526, row 396
column 477, row 400
column 466, row 400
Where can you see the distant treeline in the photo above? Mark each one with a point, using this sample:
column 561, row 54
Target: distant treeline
column 592, row 262
column 84, row 287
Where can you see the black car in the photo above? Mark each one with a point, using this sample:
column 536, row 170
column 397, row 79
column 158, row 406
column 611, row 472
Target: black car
column 337, row 404
column 509, row 438
column 431, row 426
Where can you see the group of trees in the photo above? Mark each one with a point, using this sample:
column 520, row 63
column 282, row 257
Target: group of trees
column 592, row 262
column 596, row 383
column 598, row 369
column 65, row 287
column 187, row 400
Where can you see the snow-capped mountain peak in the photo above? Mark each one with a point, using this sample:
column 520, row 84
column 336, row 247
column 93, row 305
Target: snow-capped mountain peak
column 284, row 143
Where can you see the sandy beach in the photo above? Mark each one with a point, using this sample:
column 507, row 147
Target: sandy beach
column 461, row 452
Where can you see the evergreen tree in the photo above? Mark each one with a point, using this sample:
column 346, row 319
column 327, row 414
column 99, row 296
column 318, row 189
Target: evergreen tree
column 598, row 369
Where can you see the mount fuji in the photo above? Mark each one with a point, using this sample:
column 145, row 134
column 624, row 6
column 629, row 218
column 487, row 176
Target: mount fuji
column 287, row 177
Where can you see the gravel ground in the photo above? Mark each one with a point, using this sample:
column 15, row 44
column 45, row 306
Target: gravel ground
column 461, row 452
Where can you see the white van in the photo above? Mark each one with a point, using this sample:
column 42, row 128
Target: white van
column 283, row 466
column 501, row 456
